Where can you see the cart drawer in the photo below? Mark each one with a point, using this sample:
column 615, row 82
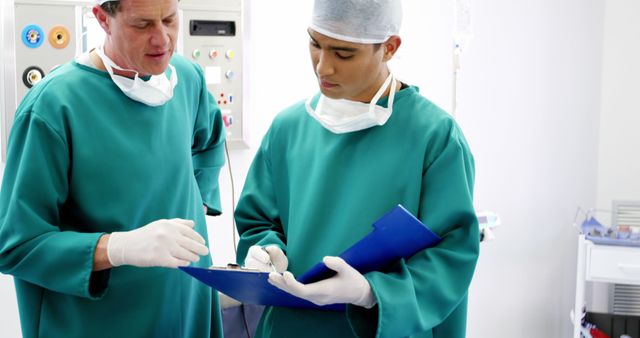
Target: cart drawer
column 614, row 264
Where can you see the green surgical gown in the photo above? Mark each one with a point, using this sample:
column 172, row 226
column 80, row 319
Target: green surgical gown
column 83, row 160
column 315, row 193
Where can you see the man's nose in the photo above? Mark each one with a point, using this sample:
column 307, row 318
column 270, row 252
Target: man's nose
column 324, row 67
column 160, row 36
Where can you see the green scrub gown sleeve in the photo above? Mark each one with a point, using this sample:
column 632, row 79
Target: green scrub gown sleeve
column 33, row 244
column 208, row 149
column 257, row 217
column 422, row 292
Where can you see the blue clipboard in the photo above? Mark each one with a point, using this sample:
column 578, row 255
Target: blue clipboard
column 251, row 287
column 396, row 235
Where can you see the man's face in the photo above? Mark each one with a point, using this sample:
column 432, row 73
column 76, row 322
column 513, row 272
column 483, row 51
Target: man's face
column 142, row 35
column 346, row 70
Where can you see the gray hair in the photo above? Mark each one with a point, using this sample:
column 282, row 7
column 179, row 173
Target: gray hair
column 112, row 7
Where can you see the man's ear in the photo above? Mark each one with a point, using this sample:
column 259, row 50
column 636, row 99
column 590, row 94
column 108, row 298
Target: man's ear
column 102, row 18
column 391, row 47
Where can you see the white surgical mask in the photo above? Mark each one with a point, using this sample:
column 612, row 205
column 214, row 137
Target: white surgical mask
column 344, row 116
column 154, row 92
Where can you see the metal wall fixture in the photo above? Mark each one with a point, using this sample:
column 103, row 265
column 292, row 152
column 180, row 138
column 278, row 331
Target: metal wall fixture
column 59, row 37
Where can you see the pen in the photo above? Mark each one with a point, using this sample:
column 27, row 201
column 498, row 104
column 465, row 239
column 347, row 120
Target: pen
column 270, row 263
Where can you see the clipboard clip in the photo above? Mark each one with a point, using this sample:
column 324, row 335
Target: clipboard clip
column 233, row 267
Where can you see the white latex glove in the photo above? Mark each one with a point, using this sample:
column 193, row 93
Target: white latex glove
column 347, row 286
column 266, row 258
column 167, row 242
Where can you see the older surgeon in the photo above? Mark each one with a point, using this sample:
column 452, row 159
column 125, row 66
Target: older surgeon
column 333, row 164
column 113, row 160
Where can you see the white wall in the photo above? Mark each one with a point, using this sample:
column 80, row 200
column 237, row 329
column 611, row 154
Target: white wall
column 9, row 319
column 529, row 105
column 2, row 90
column 618, row 163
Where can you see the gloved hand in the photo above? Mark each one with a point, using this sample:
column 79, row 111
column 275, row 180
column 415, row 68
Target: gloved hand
column 347, row 286
column 266, row 258
column 167, row 242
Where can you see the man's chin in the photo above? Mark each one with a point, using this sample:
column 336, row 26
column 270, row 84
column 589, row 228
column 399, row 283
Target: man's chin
column 331, row 94
column 156, row 67
column 157, row 70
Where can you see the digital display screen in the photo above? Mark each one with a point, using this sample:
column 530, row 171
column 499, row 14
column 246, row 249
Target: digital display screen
column 212, row 28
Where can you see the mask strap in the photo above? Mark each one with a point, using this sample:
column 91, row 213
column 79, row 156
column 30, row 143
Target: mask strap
column 109, row 64
column 392, row 95
column 384, row 86
column 390, row 79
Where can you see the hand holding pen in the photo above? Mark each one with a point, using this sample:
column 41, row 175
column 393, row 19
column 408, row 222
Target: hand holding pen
column 267, row 259
column 273, row 267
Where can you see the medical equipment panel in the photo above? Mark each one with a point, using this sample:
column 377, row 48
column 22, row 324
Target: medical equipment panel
column 46, row 39
column 212, row 38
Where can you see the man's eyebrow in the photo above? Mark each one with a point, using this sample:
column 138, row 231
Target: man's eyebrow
column 337, row 48
column 343, row 49
column 152, row 20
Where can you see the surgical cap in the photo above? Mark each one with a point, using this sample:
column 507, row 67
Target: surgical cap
column 359, row 21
